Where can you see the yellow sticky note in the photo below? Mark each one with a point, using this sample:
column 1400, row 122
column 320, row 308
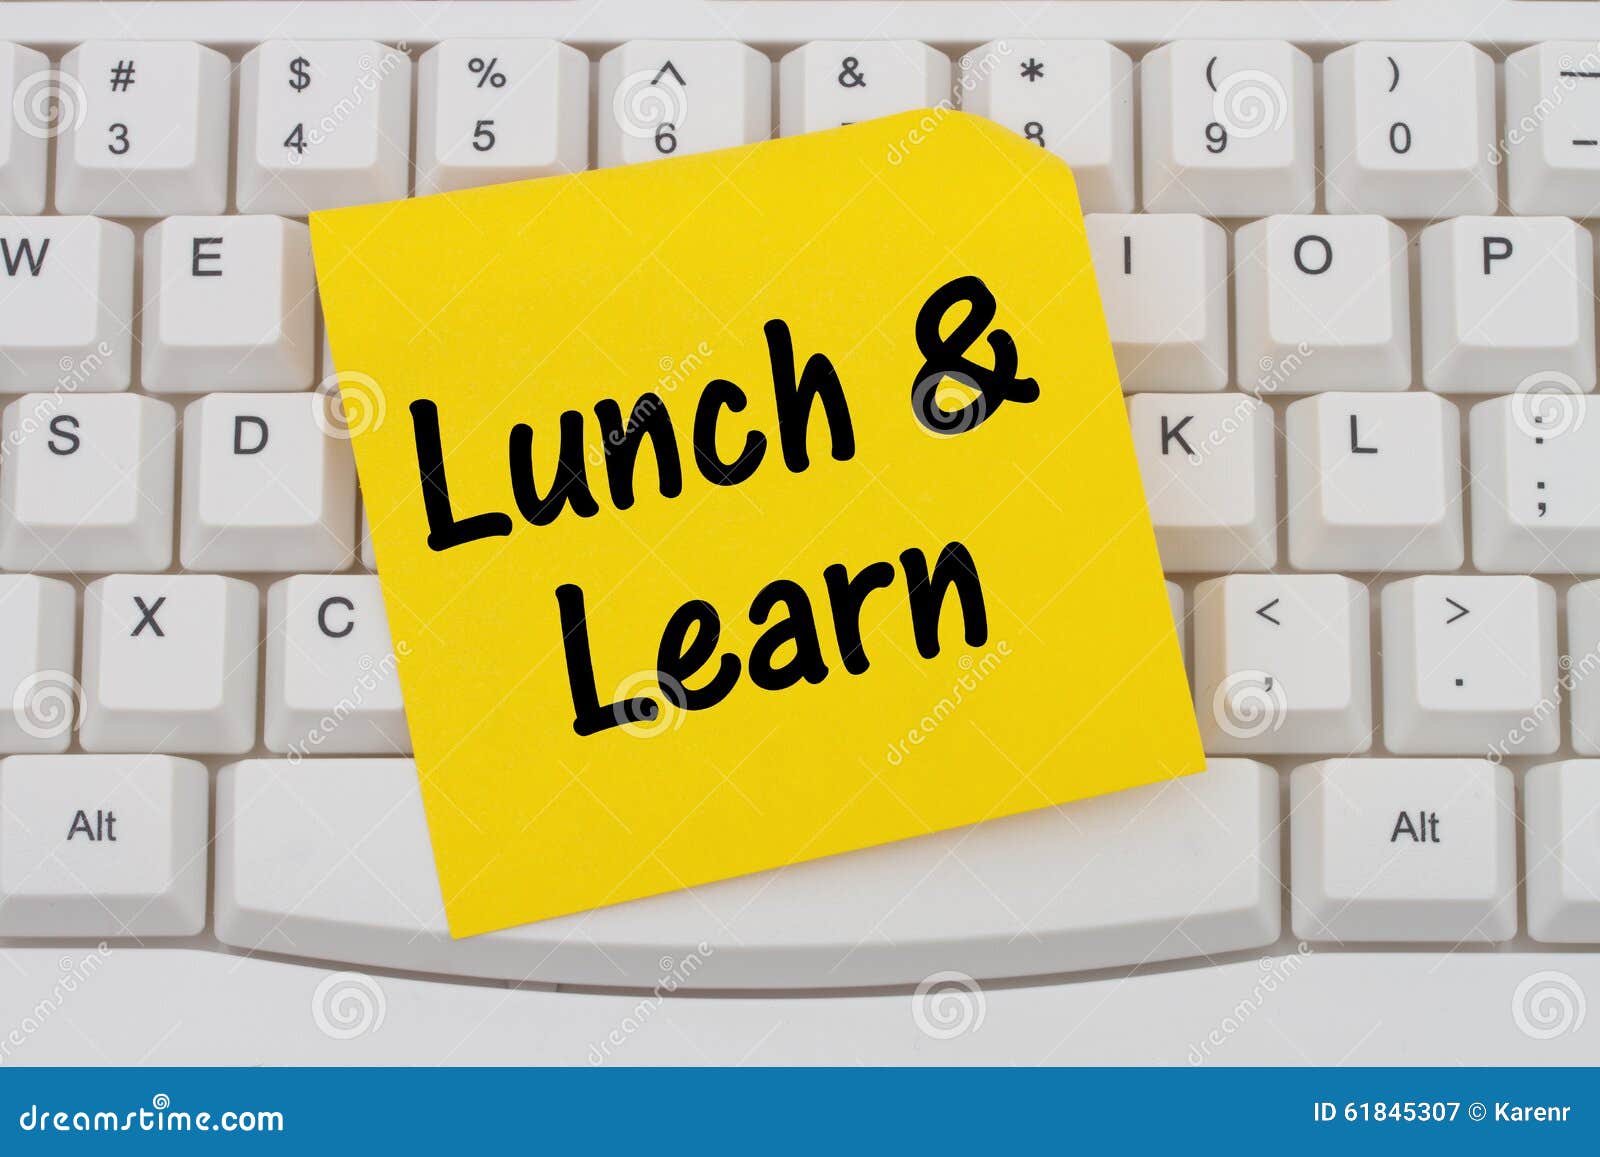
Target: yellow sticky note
column 745, row 508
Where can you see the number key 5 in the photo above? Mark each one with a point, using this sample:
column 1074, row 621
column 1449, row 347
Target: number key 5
column 500, row 110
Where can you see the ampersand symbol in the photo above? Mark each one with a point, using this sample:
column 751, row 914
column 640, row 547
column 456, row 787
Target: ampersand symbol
column 848, row 76
column 946, row 359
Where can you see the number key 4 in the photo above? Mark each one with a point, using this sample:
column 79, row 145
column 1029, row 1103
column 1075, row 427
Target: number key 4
column 322, row 124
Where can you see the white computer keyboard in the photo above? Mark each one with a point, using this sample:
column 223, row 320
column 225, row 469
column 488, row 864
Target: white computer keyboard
column 1347, row 257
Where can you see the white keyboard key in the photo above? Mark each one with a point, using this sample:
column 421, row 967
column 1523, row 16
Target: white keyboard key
column 332, row 681
column 1374, row 482
column 1581, row 664
column 1229, row 128
column 325, row 367
column 1469, row 666
column 33, row 94
column 322, row 123
column 103, row 845
column 1282, row 663
column 1179, row 618
column 1073, row 97
column 1403, row 849
column 66, row 304
column 661, row 98
column 1536, row 483
column 828, row 83
column 500, row 110
column 169, row 664
column 1553, row 103
column 1207, row 465
column 266, row 485
column 229, row 304
column 87, row 484
column 1164, row 289
column 38, row 654
column 1146, row 874
column 154, row 137
column 1332, row 294
column 1504, row 298
column 369, row 561
column 1561, row 822
column 1409, row 130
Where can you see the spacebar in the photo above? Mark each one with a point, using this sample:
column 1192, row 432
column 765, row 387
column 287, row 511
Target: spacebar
column 330, row 859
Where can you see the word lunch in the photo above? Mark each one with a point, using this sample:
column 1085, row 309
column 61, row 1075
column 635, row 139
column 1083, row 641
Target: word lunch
column 690, row 638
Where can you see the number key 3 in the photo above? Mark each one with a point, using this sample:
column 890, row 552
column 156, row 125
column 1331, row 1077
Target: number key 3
column 152, row 137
